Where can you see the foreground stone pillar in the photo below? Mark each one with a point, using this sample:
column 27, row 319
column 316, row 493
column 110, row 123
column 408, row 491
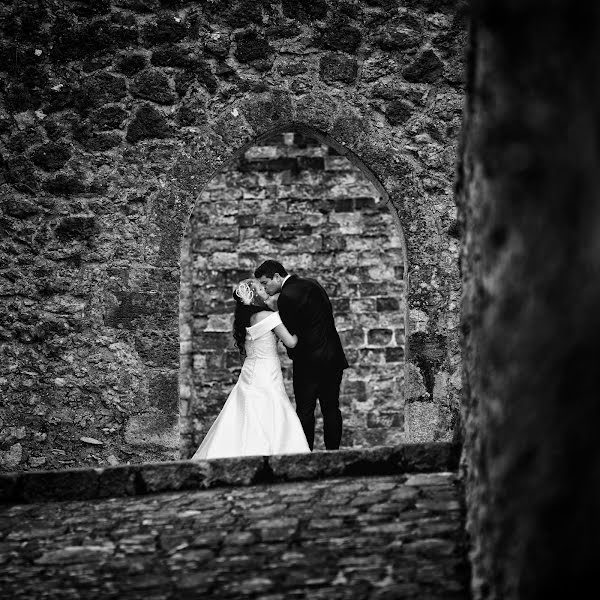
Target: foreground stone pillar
column 529, row 198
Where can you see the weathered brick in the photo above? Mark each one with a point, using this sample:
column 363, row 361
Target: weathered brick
column 379, row 337
column 395, row 354
column 387, row 304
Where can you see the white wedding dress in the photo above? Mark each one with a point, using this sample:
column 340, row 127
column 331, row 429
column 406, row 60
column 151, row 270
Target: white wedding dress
column 258, row 417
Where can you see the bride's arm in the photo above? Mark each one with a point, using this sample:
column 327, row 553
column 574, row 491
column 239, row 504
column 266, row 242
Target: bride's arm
column 289, row 339
column 280, row 330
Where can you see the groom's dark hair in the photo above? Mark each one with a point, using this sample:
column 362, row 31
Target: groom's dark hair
column 269, row 268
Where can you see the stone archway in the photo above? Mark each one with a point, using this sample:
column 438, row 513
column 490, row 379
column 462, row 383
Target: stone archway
column 300, row 200
column 432, row 380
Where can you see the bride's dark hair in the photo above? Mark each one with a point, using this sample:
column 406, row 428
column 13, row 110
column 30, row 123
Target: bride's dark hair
column 241, row 320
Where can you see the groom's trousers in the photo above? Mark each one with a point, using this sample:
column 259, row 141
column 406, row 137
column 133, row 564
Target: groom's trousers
column 310, row 384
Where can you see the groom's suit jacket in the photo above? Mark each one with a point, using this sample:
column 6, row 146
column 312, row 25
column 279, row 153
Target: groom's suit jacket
column 305, row 310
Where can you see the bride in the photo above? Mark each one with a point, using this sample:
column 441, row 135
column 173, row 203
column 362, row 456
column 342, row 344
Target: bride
column 258, row 417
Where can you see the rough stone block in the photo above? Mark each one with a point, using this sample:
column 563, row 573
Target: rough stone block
column 9, row 486
column 51, row 156
column 22, row 140
column 117, row 481
column 109, row 117
column 304, row 10
column 166, row 29
column 337, row 67
column 153, row 429
column 212, row 340
column 21, row 174
column 218, row 44
column 21, row 207
column 234, row 471
column 99, row 89
column 395, row 354
column 147, row 123
column 379, row 337
column 76, row 227
column 130, row 63
column 421, row 420
column 184, row 475
column 399, row 38
column 76, row 484
column 341, row 36
column 372, row 356
column 398, row 111
column 251, row 46
column 164, row 392
column 267, row 110
column 88, row 39
column 96, row 142
column 387, row 304
column 426, row 68
column 317, row 110
column 363, row 305
column 152, row 84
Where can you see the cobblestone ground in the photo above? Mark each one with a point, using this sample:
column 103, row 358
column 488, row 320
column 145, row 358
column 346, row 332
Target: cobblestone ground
column 380, row 537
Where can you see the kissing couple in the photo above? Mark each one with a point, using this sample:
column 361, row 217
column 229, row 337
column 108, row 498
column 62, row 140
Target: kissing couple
column 258, row 417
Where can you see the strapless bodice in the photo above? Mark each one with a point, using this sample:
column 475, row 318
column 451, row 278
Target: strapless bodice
column 264, row 347
column 261, row 342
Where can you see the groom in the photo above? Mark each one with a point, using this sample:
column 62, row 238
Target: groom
column 318, row 359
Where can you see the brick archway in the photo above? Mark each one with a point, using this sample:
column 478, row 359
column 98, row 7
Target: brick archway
column 342, row 232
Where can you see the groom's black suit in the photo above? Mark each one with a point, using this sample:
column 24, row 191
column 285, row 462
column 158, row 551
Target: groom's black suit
column 319, row 358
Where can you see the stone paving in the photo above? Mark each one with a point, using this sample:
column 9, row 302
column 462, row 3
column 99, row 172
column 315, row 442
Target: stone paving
column 382, row 537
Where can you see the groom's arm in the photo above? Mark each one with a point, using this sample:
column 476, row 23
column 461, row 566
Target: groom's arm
column 288, row 312
column 293, row 305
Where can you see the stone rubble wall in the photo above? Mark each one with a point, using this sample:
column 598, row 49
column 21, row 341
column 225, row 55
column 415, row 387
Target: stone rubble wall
column 114, row 115
column 296, row 200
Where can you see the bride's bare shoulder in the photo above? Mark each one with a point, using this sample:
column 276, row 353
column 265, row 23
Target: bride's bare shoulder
column 259, row 316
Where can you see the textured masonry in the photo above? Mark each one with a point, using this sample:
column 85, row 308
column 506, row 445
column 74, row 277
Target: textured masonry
column 116, row 115
column 378, row 523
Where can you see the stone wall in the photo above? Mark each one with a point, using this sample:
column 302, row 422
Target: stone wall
column 529, row 196
column 114, row 115
column 351, row 524
column 295, row 199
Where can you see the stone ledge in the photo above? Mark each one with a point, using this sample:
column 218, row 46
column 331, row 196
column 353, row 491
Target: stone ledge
column 132, row 480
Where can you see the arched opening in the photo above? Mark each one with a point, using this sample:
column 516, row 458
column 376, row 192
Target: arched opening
column 297, row 196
